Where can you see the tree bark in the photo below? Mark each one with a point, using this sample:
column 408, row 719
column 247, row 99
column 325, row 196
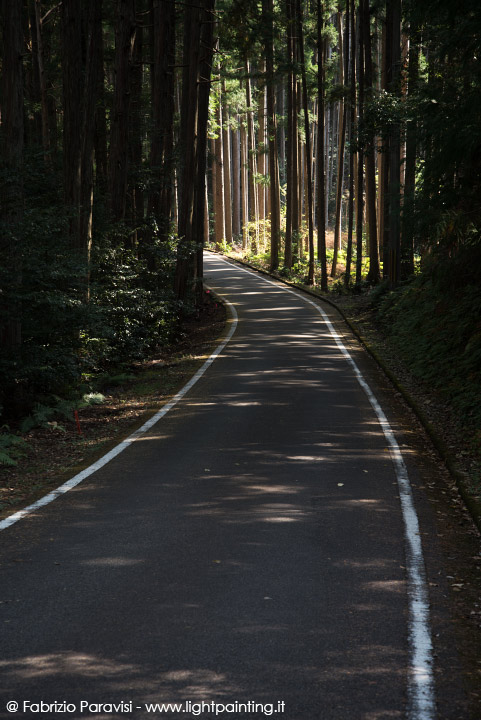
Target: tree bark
column 161, row 196
column 226, row 153
column 87, row 108
column 72, row 68
column 275, row 214
column 384, row 176
column 394, row 15
column 321, row 176
column 340, row 154
column 252, row 163
column 43, row 85
column 12, row 192
column 236, row 188
column 118, row 160
column 410, row 166
column 310, row 276
column 262, row 157
column 352, row 120
column 188, row 147
column 219, row 201
column 291, row 143
column 373, row 274
column 200, row 190
column 136, row 193
column 197, row 60
column 245, row 187
column 100, row 131
column 360, row 159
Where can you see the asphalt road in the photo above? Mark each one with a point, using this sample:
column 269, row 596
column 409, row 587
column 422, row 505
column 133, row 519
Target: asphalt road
column 250, row 548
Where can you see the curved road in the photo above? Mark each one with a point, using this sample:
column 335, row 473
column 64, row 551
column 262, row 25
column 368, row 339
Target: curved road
column 249, row 547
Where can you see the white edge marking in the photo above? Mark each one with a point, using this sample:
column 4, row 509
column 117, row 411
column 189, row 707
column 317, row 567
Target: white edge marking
column 421, row 681
column 77, row 479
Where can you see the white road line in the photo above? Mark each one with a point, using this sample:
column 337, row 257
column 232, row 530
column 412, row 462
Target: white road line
column 421, row 680
column 77, row 479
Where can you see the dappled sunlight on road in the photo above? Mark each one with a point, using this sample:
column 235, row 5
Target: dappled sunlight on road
column 119, row 562
column 77, row 664
column 256, row 531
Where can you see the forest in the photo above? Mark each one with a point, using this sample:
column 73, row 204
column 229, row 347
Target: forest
column 336, row 141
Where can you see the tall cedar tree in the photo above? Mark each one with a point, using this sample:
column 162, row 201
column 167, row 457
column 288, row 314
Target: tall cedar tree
column 275, row 211
column 341, row 146
column 11, row 199
column 321, row 179
column 310, row 276
column 162, row 138
column 394, row 79
column 197, row 61
column 373, row 275
column 119, row 127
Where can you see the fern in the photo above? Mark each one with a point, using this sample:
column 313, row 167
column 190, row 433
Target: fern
column 12, row 448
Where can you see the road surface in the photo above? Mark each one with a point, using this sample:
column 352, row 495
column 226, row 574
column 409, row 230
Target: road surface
column 249, row 548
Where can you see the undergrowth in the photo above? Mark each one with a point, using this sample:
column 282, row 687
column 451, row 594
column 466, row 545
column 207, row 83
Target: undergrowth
column 438, row 336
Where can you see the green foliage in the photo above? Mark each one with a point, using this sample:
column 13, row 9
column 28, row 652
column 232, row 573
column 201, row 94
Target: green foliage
column 46, row 416
column 12, row 448
column 42, row 290
column 92, row 399
column 132, row 307
column 130, row 310
column 438, row 335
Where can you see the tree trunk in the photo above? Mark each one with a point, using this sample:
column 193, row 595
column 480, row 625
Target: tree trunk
column 136, row 193
column 321, row 176
column 197, row 59
column 118, row 160
column 394, row 17
column 373, row 275
column 275, row 213
column 290, row 140
column 307, row 130
column 245, row 187
column 12, row 193
column 185, row 266
column 262, row 157
column 226, row 153
column 219, row 200
column 331, row 134
column 360, row 159
column 100, row 131
column 281, row 131
column 251, row 143
column 340, row 154
column 236, row 187
column 72, row 118
column 384, row 176
column 410, row 166
column 87, row 108
column 200, row 191
column 43, row 85
column 299, row 176
column 163, row 103
column 352, row 120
